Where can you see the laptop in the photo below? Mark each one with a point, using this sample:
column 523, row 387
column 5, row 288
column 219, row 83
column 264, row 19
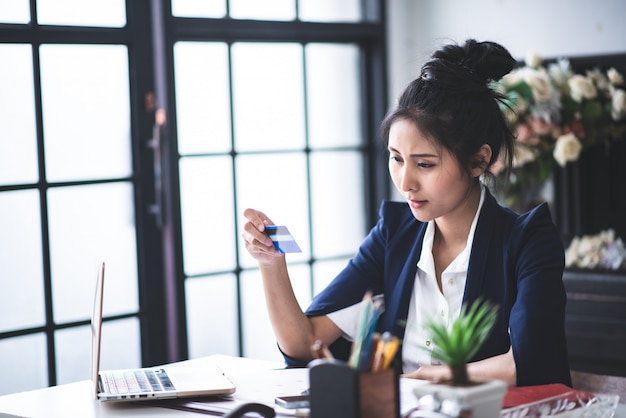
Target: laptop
column 149, row 382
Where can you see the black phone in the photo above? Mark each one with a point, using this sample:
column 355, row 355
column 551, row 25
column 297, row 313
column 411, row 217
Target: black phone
column 293, row 402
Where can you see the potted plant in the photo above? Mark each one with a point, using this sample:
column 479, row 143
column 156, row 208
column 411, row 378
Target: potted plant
column 455, row 347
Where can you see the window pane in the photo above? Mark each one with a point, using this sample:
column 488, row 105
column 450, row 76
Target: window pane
column 334, row 104
column 325, row 271
column 21, row 281
column 14, row 11
column 337, row 178
column 87, row 224
column 86, row 111
column 110, row 13
column 199, row 8
column 202, row 97
column 330, row 10
column 276, row 185
column 208, row 214
column 268, row 96
column 23, row 364
column 212, row 311
column 259, row 341
column 120, row 349
column 73, row 354
column 18, row 134
column 121, row 344
column 263, row 10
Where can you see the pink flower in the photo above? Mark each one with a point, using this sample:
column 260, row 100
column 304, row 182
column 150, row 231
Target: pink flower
column 525, row 135
column 575, row 127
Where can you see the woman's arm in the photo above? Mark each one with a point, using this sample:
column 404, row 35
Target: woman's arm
column 294, row 331
column 500, row 367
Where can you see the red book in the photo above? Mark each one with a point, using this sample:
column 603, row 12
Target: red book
column 516, row 396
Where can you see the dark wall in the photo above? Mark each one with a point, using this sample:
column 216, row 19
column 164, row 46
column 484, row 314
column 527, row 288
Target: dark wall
column 595, row 322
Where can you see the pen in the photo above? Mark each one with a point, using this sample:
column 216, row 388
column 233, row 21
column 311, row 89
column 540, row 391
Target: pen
column 380, row 352
column 371, row 337
column 355, row 356
column 390, row 349
column 319, row 350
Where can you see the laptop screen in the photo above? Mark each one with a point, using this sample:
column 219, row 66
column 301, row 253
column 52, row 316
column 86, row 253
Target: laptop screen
column 96, row 329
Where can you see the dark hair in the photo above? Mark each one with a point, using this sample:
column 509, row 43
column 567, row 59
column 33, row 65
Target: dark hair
column 452, row 103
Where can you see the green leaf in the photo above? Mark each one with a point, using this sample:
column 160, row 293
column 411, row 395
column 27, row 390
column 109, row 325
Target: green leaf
column 458, row 344
column 591, row 110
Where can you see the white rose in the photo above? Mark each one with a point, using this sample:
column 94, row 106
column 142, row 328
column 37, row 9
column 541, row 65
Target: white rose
column 513, row 78
column 600, row 80
column 567, row 148
column 540, row 84
column 614, row 76
column 581, row 87
column 618, row 105
column 533, row 60
column 560, row 72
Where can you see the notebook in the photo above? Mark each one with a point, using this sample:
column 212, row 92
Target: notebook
column 151, row 382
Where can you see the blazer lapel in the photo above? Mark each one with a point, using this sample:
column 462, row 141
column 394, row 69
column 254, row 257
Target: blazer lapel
column 476, row 269
column 399, row 295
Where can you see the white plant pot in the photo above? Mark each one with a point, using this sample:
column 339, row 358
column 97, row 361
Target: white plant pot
column 485, row 399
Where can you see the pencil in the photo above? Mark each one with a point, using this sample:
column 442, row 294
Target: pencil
column 357, row 346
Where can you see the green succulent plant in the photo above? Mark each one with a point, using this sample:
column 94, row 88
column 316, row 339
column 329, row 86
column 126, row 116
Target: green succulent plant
column 455, row 346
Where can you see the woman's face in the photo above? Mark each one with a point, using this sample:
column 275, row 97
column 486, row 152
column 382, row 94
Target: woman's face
column 428, row 176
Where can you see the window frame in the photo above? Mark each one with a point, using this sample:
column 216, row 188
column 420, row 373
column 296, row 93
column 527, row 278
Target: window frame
column 149, row 35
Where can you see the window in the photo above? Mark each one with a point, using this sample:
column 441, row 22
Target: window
column 274, row 108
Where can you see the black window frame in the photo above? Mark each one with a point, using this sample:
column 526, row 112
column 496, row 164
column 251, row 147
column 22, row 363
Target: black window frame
column 150, row 34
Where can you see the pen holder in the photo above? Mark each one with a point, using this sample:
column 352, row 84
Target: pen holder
column 339, row 391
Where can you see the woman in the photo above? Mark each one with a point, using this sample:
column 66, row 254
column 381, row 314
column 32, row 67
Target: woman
column 450, row 245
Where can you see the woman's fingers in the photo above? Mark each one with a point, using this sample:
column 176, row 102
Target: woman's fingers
column 255, row 238
column 257, row 218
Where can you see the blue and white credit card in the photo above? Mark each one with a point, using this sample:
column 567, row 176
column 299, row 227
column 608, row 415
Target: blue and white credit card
column 282, row 239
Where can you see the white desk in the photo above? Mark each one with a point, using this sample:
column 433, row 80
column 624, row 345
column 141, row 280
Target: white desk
column 258, row 381
column 76, row 399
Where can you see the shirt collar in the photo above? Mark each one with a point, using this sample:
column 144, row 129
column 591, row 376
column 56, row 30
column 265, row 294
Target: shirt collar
column 461, row 262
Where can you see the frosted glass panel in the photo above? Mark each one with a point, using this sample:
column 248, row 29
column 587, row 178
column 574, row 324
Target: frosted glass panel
column 212, row 319
column 258, row 337
column 263, row 10
column 325, row 271
column 337, row 178
column 276, row 185
column 14, row 11
column 199, row 8
column 120, row 349
column 110, row 13
column 268, row 96
column 23, row 364
column 86, row 111
column 330, row 10
column 334, row 103
column 202, row 97
column 87, row 224
column 208, row 214
column 21, row 282
column 18, row 134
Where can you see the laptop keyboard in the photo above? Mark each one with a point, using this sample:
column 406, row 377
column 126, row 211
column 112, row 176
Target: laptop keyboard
column 136, row 381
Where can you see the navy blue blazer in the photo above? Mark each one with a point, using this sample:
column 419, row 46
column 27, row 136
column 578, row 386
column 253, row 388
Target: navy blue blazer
column 516, row 262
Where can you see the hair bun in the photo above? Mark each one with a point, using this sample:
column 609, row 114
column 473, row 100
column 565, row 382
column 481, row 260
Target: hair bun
column 489, row 59
column 485, row 61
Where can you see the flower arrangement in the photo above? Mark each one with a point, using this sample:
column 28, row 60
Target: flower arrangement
column 602, row 250
column 555, row 114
